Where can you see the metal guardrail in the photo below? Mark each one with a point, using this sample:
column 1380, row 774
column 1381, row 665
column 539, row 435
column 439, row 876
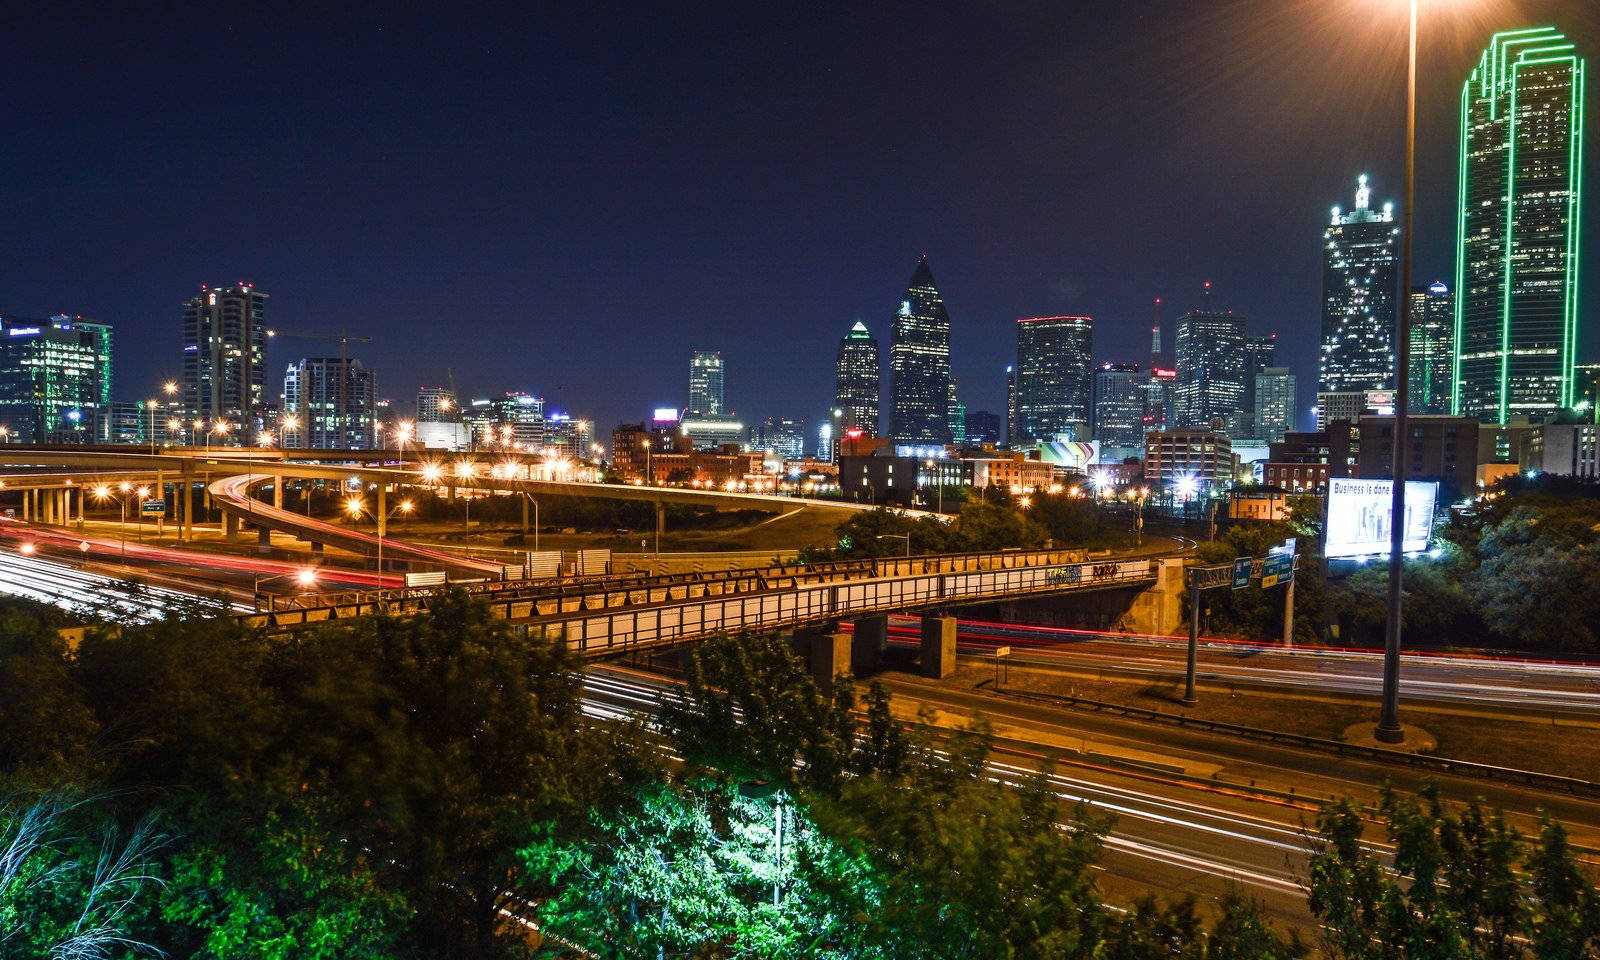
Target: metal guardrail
column 1485, row 771
column 671, row 623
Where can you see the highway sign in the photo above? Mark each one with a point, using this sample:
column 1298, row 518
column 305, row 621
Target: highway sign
column 1241, row 572
column 1002, row 652
column 1277, row 568
column 154, row 507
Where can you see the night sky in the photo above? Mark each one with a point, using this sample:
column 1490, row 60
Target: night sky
column 567, row 199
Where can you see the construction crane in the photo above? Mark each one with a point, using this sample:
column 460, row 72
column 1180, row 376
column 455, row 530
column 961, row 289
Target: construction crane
column 345, row 340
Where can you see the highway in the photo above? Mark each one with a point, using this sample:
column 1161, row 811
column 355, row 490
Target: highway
column 82, row 591
column 189, row 573
column 1165, row 838
column 234, row 491
column 1466, row 679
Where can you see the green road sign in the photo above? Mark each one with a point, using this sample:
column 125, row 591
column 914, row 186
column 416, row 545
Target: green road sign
column 1277, row 568
column 1241, row 572
column 155, row 507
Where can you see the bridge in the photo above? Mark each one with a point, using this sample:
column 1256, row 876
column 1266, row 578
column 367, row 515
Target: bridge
column 187, row 467
column 615, row 616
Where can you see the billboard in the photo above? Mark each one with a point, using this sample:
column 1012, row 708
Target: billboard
column 1359, row 512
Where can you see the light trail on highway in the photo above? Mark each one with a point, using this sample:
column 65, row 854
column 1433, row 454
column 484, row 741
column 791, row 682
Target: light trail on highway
column 205, row 569
column 1476, row 680
column 1159, row 839
column 235, row 491
column 80, row 591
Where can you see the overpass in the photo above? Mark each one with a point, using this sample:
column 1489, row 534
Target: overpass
column 616, row 616
column 187, row 466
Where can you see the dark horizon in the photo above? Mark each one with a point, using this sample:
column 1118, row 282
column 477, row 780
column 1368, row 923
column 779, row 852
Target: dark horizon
column 570, row 203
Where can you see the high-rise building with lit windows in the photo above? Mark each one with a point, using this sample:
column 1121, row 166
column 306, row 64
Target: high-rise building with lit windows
column 1118, row 411
column 705, row 382
column 919, row 364
column 1211, row 360
column 1516, row 310
column 857, row 381
column 223, row 376
column 1433, row 350
column 1360, row 261
column 1053, row 378
column 53, row 386
column 335, row 400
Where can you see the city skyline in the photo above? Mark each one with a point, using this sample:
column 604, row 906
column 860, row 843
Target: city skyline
column 987, row 284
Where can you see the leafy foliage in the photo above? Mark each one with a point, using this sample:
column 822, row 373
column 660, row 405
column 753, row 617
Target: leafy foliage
column 1462, row 883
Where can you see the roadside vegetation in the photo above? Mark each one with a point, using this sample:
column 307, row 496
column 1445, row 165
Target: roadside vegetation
column 431, row 787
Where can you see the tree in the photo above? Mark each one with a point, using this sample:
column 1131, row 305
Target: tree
column 1454, row 888
column 445, row 740
column 879, row 533
column 1068, row 521
column 45, row 726
column 750, row 709
column 986, row 525
column 71, row 879
column 283, row 889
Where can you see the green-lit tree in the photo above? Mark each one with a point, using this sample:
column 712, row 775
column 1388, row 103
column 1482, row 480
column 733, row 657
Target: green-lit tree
column 72, row 880
column 1461, row 883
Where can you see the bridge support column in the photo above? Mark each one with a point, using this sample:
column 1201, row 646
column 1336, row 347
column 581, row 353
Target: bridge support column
column 1159, row 609
column 382, row 515
column 524, row 499
column 277, row 492
column 230, row 527
column 263, row 540
column 661, row 522
column 188, row 501
column 27, row 505
column 938, row 647
column 50, row 506
column 316, row 548
column 868, row 640
column 829, row 655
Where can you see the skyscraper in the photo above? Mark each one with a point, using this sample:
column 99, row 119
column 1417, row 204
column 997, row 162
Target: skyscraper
column 335, row 399
column 1210, row 354
column 957, row 416
column 1274, row 403
column 51, row 379
column 1120, row 392
column 1010, row 429
column 1516, row 311
column 705, row 382
column 857, row 380
column 919, row 364
column 1360, row 257
column 1260, row 352
column 1433, row 351
column 1053, row 378
column 225, row 354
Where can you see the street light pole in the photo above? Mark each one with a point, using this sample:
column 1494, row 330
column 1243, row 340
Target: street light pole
column 1389, row 729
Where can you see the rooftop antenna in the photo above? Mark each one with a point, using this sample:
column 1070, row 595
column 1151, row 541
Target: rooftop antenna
column 1155, row 337
column 1206, row 303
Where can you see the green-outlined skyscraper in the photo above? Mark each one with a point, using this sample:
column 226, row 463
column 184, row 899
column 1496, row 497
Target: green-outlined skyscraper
column 1516, row 318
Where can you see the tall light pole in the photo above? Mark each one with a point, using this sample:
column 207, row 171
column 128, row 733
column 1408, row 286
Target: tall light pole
column 1389, row 729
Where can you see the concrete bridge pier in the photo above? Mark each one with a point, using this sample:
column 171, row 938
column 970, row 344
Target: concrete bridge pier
column 1159, row 609
column 230, row 527
column 938, row 646
column 277, row 492
column 828, row 653
column 869, row 640
column 263, row 540
column 188, row 502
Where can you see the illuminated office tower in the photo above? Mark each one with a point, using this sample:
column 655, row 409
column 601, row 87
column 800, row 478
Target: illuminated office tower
column 1516, row 311
column 1053, row 378
column 1120, row 391
column 857, row 380
column 1274, row 403
column 957, row 416
column 225, row 354
column 919, row 364
column 335, row 400
column 1433, row 351
column 1360, row 260
column 705, row 382
column 1211, row 360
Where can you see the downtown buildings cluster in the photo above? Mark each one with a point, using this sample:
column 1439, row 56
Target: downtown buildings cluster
column 1493, row 345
